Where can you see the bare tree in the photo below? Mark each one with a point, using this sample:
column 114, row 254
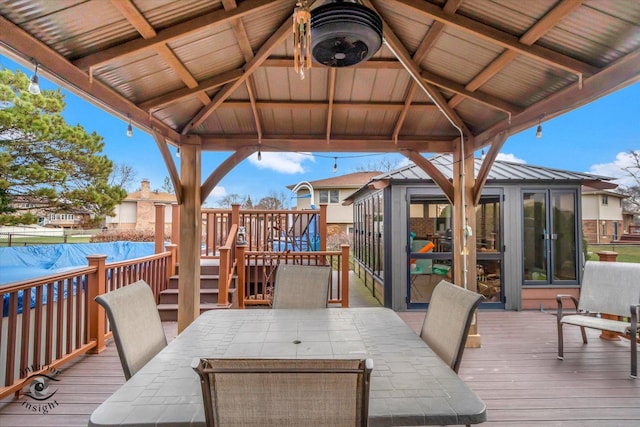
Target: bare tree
column 274, row 201
column 632, row 202
column 385, row 164
column 122, row 175
column 167, row 186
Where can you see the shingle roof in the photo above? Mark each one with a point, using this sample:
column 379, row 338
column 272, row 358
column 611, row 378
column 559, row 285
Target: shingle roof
column 350, row 180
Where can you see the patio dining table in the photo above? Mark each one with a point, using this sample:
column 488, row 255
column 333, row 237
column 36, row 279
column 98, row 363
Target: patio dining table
column 410, row 385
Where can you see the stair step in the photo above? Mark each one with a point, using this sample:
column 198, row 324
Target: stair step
column 170, row 296
column 169, row 312
column 207, row 281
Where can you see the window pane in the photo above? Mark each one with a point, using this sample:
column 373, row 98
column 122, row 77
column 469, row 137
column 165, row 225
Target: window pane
column 334, row 196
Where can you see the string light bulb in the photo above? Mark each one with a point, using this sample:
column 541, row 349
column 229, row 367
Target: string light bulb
column 34, row 84
column 482, row 155
column 129, row 127
column 259, row 155
column 178, row 152
column 539, row 130
column 335, row 164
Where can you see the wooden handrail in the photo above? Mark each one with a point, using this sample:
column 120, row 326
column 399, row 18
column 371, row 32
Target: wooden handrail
column 227, row 266
column 50, row 337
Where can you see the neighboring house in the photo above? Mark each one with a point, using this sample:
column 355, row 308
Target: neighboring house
column 137, row 210
column 602, row 218
column 74, row 218
column 527, row 235
column 332, row 191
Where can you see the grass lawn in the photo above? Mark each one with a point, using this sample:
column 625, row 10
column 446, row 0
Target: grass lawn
column 626, row 253
column 42, row 240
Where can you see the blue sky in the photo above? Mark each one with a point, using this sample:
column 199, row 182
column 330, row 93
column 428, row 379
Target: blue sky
column 594, row 138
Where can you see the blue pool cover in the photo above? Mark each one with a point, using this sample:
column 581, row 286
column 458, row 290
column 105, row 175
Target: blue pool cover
column 29, row 262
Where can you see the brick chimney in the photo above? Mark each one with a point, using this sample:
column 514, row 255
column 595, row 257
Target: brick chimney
column 144, row 192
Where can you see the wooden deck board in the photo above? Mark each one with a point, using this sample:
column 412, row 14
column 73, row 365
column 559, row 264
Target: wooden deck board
column 515, row 372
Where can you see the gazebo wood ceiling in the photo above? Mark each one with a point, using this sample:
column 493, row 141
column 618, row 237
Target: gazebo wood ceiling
column 217, row 75
column 222, row 71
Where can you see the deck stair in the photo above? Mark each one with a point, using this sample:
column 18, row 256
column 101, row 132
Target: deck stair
column 630, row 239
column 209, row 279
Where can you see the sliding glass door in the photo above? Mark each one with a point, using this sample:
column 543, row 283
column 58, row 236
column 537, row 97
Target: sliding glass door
column 550, row 234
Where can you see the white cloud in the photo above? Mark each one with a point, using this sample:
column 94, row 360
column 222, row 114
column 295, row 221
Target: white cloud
column 507, row 157
column 615, row 169
column 287, row 163
column 217, row 193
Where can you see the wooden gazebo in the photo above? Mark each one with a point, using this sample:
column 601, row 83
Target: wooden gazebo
column 218, row 75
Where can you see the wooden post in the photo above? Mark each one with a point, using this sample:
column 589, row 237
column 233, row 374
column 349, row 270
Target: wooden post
column 173, row 260
column 464, row 246
column 223, row 277
column 159, row 228
column 322, row 227
column 175, row 225
column 190, row 236
column 344, row 270
column 96, row 285
column 240, row 285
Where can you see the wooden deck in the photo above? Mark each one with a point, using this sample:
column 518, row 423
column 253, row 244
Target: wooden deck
column 515, row 372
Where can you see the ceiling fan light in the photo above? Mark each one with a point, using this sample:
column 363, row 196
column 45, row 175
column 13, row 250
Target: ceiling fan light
column 344, row 33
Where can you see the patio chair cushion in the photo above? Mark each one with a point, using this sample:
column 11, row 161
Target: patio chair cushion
column 136, row 325
column 446, row 324
column 301, row 286
column 285, row 392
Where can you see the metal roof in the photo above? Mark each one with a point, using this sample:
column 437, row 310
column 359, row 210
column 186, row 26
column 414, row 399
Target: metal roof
column 501, row 172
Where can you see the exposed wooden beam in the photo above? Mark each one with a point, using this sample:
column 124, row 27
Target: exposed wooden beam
column 254, row 109
column 330, row 95
column 318, row 143
column 438, row 177
column 487, row 100
column 62, row 72
column 413, row 86
column 487, row 163
column 170, row 164
column 224, row 168
column 239, row 31
column 534, row 33
column 621, row 73
column 146, row 30
column 400, row 51
column 174, row 62
column 181, row 94
column 434, row 33
column 173, row 33
column 262, row 54
column 321, row 105
column 500, row 38
column 133, row 15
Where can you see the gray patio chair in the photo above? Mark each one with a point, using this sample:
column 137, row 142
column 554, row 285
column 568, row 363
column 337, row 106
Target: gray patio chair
column 285, row 392
column 446, row 324
column 135, row 322
column 301, row 286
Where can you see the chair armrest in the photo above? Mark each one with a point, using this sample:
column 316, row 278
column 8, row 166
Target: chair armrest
column 635, row 308
column 560, row 298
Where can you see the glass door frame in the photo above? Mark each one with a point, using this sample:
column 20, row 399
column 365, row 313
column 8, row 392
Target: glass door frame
column 550, row 235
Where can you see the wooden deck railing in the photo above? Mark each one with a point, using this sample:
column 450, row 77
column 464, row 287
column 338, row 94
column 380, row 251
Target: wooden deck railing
column 266, row 230
column 256, row 279
column 50, row 321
